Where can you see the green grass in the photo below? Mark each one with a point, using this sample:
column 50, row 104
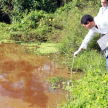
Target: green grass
column 3, row 41
column 89, row 92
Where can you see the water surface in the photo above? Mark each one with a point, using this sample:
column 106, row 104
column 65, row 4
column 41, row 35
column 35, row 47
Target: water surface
column 23, row 79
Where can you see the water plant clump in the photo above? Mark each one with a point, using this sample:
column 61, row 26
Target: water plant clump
column 55, row 81
column 41, row 48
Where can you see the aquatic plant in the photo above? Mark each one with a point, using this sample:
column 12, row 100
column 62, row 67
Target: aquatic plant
column 55, row 81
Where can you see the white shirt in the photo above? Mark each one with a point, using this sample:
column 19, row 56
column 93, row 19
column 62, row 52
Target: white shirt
column 103, row 11
column 101, row 20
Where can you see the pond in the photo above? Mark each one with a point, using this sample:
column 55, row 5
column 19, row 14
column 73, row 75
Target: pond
column 23, row 79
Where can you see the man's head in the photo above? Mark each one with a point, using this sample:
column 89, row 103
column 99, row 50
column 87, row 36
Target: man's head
column 104, row 3
column 88, row 21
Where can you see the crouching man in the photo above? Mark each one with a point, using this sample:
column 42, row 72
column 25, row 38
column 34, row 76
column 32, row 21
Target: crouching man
column 96, row 25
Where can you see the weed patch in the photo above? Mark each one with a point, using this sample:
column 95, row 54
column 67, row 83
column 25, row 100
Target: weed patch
column 55, row 81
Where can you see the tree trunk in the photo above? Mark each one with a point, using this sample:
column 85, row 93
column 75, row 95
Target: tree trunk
column 59, row 3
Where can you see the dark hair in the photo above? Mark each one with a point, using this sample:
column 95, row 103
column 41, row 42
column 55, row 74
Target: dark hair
column 86, row 18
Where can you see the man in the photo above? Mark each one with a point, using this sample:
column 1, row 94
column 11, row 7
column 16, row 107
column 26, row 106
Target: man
column 104, row 3
column 96, row 25
column 103, row 9
column 103, row 12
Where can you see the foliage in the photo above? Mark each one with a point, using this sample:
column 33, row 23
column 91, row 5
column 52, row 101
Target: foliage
column 83, row 3
column 93, row 44
column 16, row 8
column 37, row 25
column 89, row 92
column 90, row 61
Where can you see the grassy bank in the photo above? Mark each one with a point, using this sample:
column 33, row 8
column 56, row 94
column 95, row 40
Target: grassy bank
column 89, row 92
column 92, row 90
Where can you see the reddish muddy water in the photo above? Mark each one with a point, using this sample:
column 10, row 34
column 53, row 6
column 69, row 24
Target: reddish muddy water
column 23, row 79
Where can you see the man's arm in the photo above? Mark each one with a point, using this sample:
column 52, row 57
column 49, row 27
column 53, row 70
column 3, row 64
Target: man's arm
column 84, row 44
column 87, row 39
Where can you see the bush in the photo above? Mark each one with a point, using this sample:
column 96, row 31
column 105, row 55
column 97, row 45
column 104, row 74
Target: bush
column 16, row 36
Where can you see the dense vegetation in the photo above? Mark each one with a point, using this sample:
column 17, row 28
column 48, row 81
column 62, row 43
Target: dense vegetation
column 37, row 21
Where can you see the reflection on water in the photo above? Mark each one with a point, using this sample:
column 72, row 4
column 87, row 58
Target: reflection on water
column 23, row 79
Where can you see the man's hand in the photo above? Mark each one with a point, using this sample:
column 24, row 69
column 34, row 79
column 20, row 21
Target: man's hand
column 77, row 52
